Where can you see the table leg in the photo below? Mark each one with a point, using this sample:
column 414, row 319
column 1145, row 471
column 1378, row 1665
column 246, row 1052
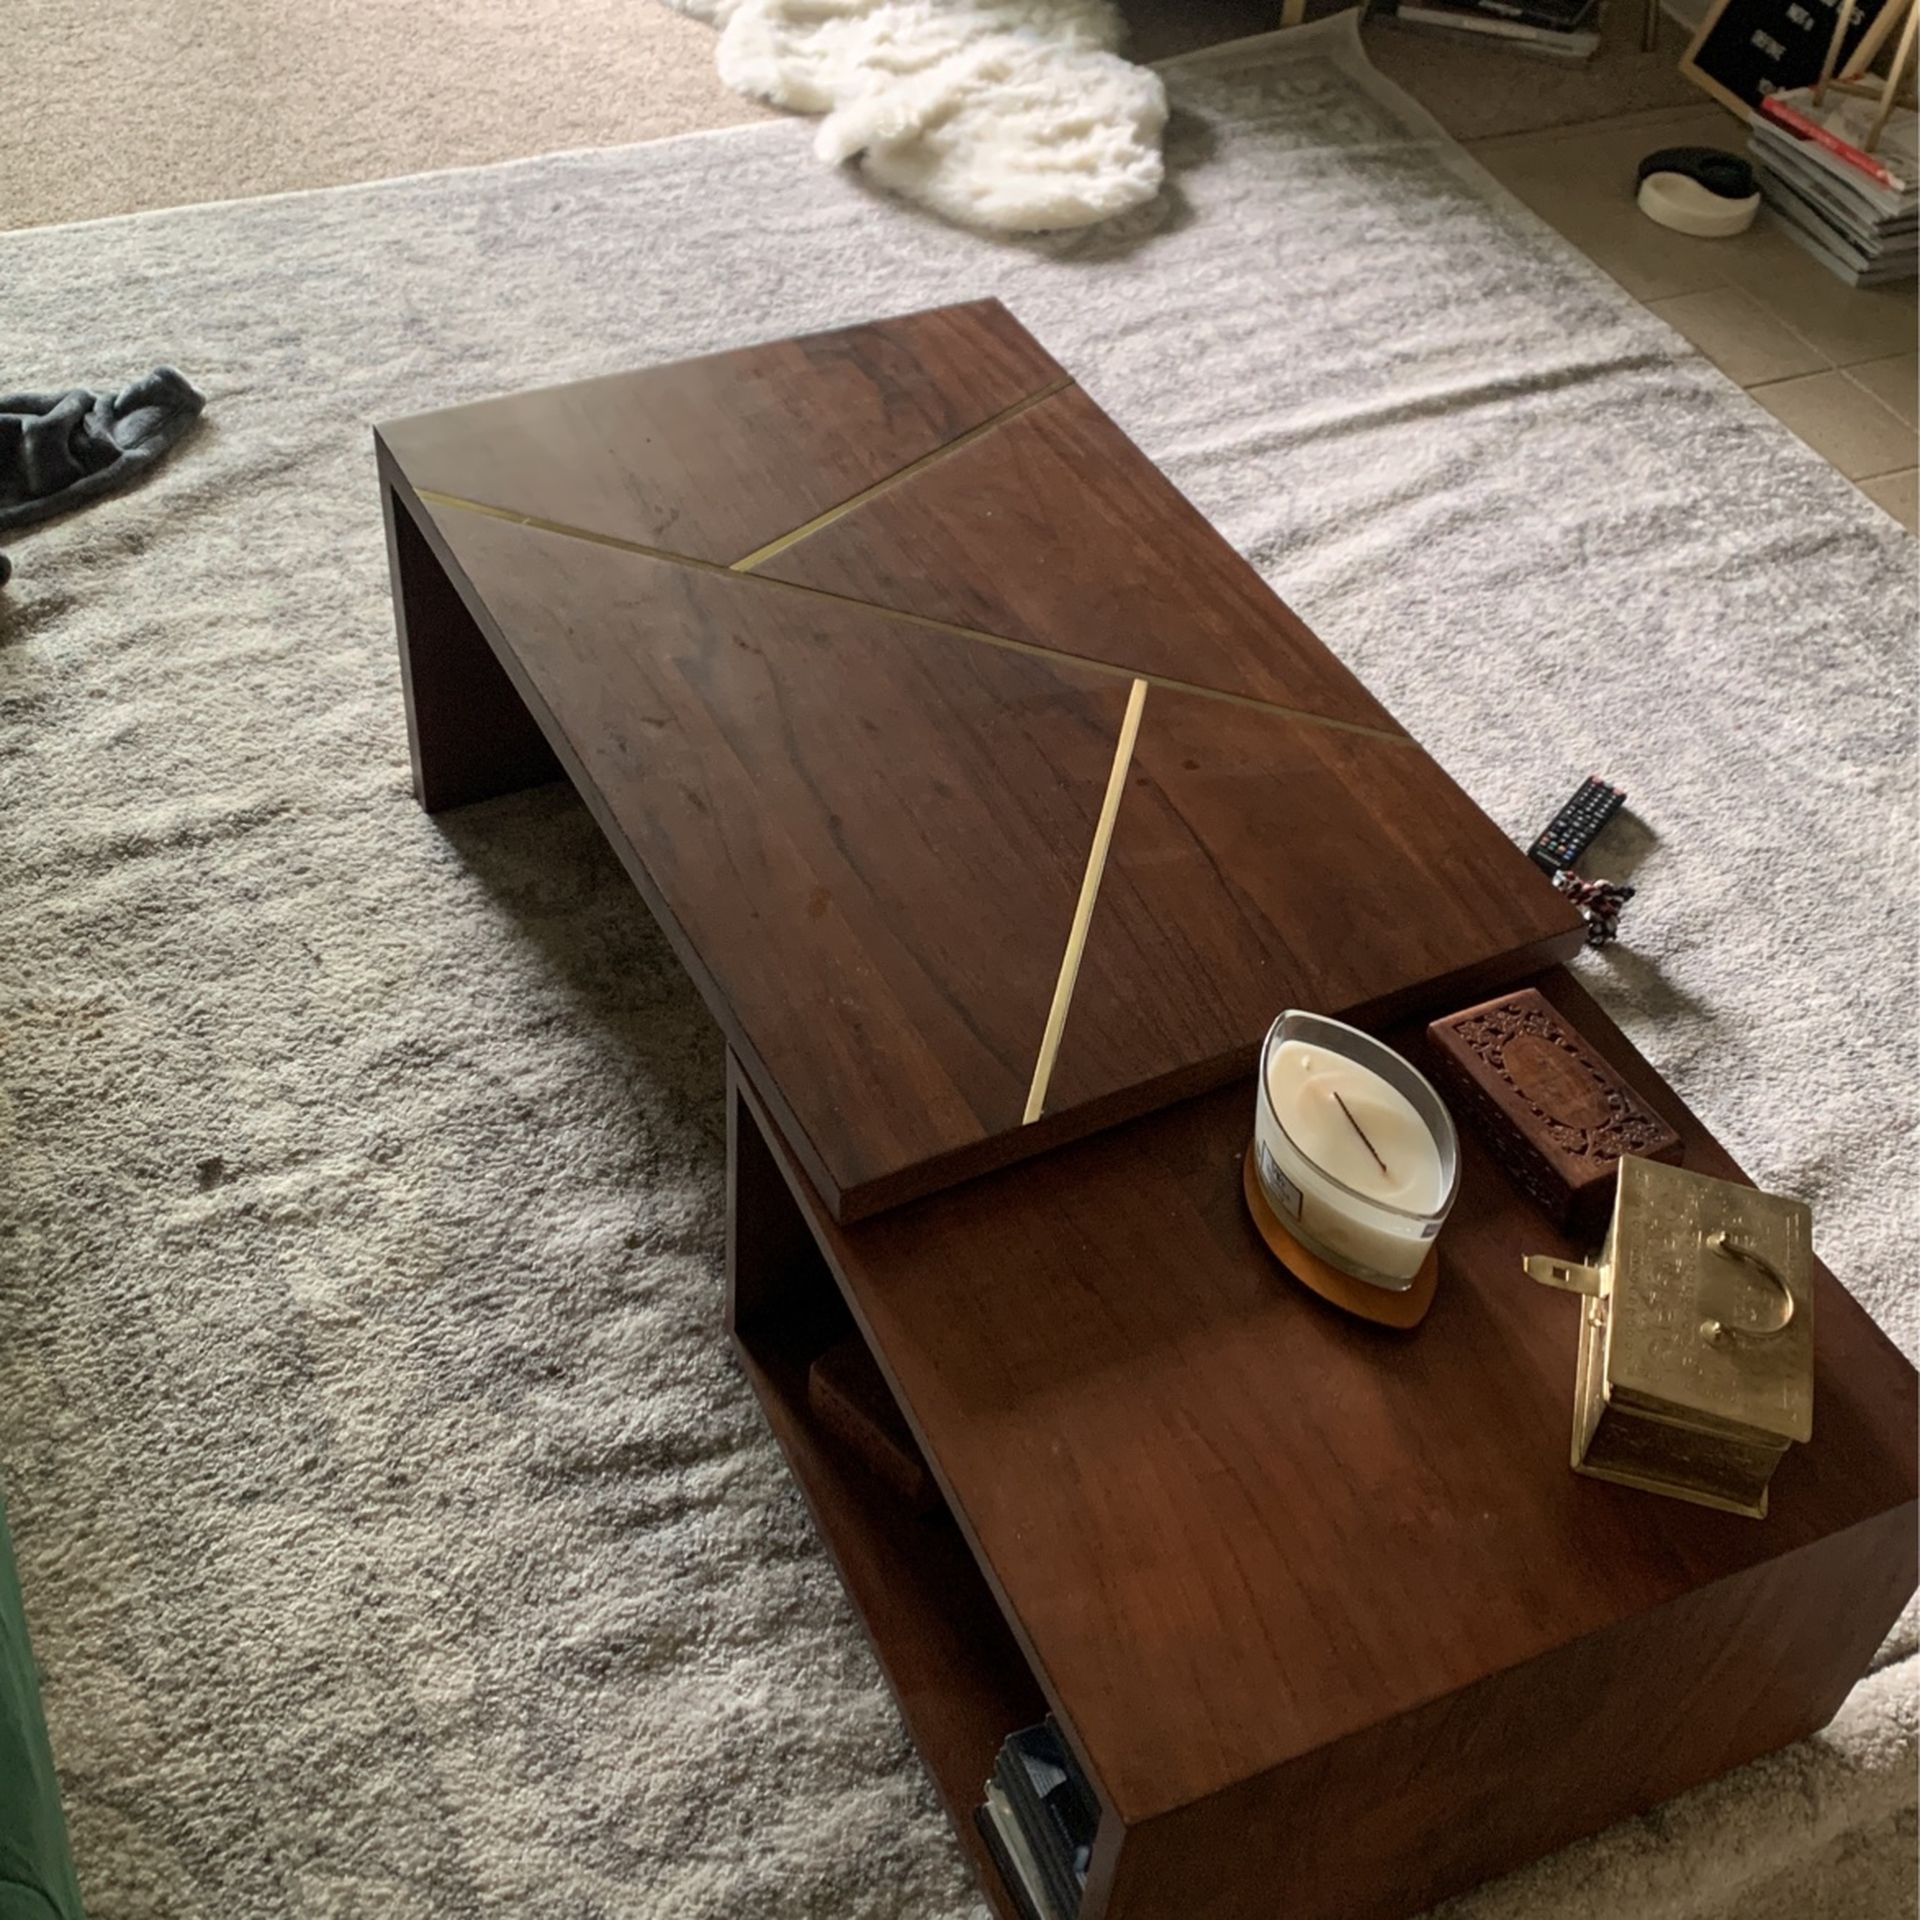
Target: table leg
column 774, row 1264
column 468, row 729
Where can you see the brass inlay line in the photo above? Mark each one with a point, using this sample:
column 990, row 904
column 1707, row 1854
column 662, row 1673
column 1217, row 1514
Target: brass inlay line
column 1083, row 908
column 435, row 499
column 923, row 620
column 907, row 472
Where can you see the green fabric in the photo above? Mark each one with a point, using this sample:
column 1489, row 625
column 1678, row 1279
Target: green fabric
column 22, row 1903
column 36, row 1870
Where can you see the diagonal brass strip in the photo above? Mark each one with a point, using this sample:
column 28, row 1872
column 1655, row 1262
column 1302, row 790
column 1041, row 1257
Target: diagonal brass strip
column 927, row 622
column 434, row 499
column 1069, row 975
column 1112, row 670
column 907, row 472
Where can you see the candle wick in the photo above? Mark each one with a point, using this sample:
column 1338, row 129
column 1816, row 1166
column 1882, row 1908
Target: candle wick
column 1362, row 1132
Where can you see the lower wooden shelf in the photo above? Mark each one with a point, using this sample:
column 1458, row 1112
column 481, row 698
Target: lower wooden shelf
column 956, row 1674
column 1320, row 1609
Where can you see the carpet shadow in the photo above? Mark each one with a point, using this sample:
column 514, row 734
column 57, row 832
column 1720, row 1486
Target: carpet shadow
column 1643, row 985
column 541, row 857
column 1623, row 845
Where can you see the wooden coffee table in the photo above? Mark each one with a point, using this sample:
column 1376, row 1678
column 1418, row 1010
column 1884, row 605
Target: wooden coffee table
column 995, row 806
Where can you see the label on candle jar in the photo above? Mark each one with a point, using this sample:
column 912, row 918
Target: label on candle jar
column 1281, row 1191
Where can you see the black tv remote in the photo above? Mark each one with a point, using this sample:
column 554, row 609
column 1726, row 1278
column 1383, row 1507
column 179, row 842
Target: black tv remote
column 1573, row 829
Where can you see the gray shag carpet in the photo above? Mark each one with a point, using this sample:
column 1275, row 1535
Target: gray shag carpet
column 397, row 1536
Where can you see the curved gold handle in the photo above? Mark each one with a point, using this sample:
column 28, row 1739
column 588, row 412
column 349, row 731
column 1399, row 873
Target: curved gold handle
column 1723, row 1243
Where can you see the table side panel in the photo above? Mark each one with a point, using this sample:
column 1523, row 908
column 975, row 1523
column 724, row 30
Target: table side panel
column 470, row 735
column 1408, row 1811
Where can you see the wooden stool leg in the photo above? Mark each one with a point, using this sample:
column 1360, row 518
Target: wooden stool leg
column 1876, row 36
column 1831, row 63
column 468, row 729
column 1896, row 75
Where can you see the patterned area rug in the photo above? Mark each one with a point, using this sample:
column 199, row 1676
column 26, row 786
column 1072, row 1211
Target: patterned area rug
column 397, row 1536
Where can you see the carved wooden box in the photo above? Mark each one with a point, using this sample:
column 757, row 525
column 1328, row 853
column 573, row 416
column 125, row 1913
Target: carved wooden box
column 1557, row 1117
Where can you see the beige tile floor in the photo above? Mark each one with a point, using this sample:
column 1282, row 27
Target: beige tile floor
column 1836, row 363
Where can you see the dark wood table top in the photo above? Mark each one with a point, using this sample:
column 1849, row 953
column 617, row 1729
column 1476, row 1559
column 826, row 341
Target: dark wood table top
column 987, row 794
column 1232, row 1526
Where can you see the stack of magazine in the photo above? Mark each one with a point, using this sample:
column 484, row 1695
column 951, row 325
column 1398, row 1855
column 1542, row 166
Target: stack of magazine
column 1564, row 30
column 1039, row 1823
column 1855, row 210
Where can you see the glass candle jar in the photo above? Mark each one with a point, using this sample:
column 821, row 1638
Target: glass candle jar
column 1355, row 1151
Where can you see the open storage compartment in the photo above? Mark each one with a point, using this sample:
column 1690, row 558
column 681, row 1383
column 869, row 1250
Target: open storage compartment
column 957, row 1675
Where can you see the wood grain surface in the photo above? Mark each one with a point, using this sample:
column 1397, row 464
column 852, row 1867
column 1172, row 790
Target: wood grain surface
column 865, row 842
column 1055, row 530
column 1259, row 864
column 713, row 457
column 848, row 1399
column 1322, row 1606
column 879, row 838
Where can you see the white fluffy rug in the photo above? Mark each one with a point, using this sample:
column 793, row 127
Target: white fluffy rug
column 400, row 1543
column 1017, row 115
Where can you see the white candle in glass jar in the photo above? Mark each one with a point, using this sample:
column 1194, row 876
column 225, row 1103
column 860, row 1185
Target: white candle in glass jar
column 1361, row 1177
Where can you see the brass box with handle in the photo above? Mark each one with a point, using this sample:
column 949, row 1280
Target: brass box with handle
column 1696, row 1337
